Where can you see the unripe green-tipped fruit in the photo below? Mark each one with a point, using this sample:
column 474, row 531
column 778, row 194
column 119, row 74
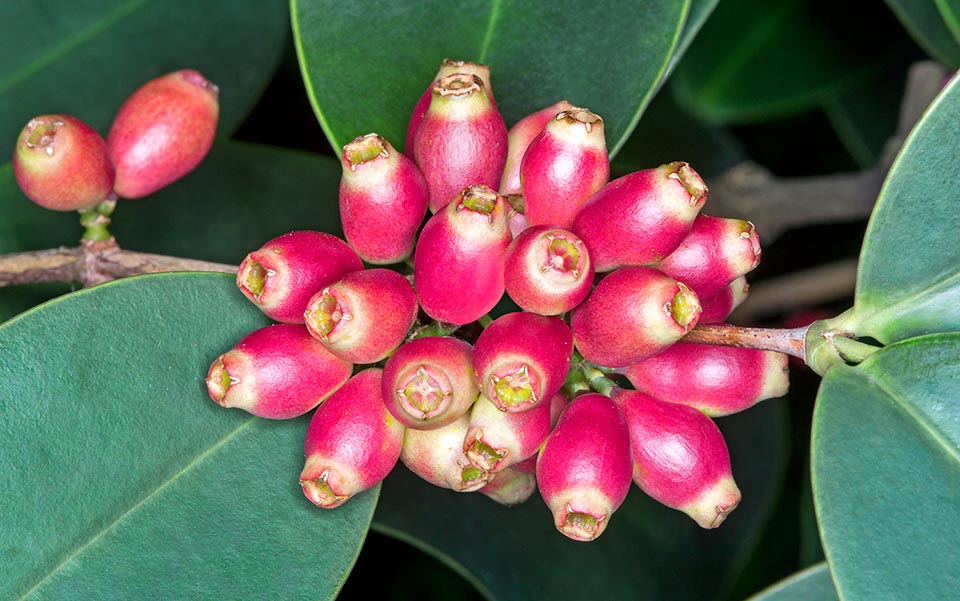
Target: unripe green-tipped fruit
column 276, row 372
column 717, row 380
column 632, row 314
column 679, row 457
column 437, row 457
column 583, row 470
column 62, row 164
column 352, row 443
column 162, row 132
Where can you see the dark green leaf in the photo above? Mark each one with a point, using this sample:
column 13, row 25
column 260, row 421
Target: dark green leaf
column 757, row 60
column 646, row 552
column 886, row 471
column 365, row 74
column 908, row 282
column 700, row 10
column 123, row 480
column 923, row 21
column 84, row 57
column 812, row 584
column 865, row 118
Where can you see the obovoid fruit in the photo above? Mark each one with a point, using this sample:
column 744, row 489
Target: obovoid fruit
column 584, row 467
column 447, row 67
column 277, row 372
column 461, row 140
column 679, row 457
column 162, row 132
column 547, row 270
column 563, row 166
column 632, row 314
column 352, row 442
column 518, row 139
column 717, row 380
column 510, row 487
column 383, row 198
column 717, row 307
column 521, row 359
column 437, row 456
column 364, row 316
column 458, row 262
column 283, row 275
column 61, row 163
column 715, row 252
column 428, row 382
column 640, row 218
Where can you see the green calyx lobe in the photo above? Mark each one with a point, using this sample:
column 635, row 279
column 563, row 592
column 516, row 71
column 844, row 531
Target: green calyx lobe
column 254, row 277
column 685, row 306
column 365, row 149
column 689, row 179
column 479, row 199
column 425, row 393
column 582, row 525
column 514, row 389
column 326, row 314
column 483, row 453
column 562, row 255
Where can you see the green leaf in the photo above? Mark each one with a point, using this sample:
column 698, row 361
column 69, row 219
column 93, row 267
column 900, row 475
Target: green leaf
column 865, row 118
column 365, row 74
column 923, row 21
column 84, row 57
column 123, row 480
column 647, row 552
column 908, row 282
column 812, row 584
column 757, row 60
column 886, row 471
column 700, row 10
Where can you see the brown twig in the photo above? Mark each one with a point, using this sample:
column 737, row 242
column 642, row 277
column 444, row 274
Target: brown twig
column 789, row 341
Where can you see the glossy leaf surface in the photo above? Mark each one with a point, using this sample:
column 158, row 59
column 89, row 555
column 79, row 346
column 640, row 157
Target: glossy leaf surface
column 122, row 479
column 909, row 274
column 365, row 74
column 922, row 19
column 812, row 584
column 886, row 471
column 646, row 552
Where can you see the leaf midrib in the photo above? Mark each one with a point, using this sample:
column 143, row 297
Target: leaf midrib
column 70, row 43
column 196, row 461
column 872, row 311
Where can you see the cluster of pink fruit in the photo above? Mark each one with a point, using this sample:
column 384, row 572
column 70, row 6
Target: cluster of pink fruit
column 537, row 400
column 161, row 133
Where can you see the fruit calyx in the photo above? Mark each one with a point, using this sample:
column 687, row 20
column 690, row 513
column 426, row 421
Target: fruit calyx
column 586, row 117
column 684, row 308
column 319, row 491
column 424, row 394
column 364, row 149
column 514, row 390
column 689, row 179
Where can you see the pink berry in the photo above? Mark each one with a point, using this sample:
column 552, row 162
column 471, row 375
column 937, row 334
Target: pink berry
column 458, row 262
column 521, row 359
column 61, row 163
column 447, row 67
column 277, row 372
column 162, row 132
column 383, row 198
column 547, row 270
column 714, row 379
column 497, row 439
column 363, row 316
column 352, row 442
column 717, row 307
column 437, row 457
column 428, row 382
column 715, row 252
column 518, row 139
column 584, row 468
column 679, row 457
column 282, row 276
column 632, row 314
column 461, row 141
column 510, row 487
column 640, row 218
column 563, row 166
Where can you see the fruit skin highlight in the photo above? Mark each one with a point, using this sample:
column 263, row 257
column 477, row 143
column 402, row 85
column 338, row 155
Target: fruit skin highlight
column 458, row 262
column 276, row 372
column 428, row 382
column 383, row 198
column 352, row 442
column 632, row 314
column 584, row 468
column 717, row 380
column 563, row 166
column 62, row 164
column 640, row 218
column 679, row 457
column 363, row 316
column 461, row 141
column 162, row 132
column 283, row 274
